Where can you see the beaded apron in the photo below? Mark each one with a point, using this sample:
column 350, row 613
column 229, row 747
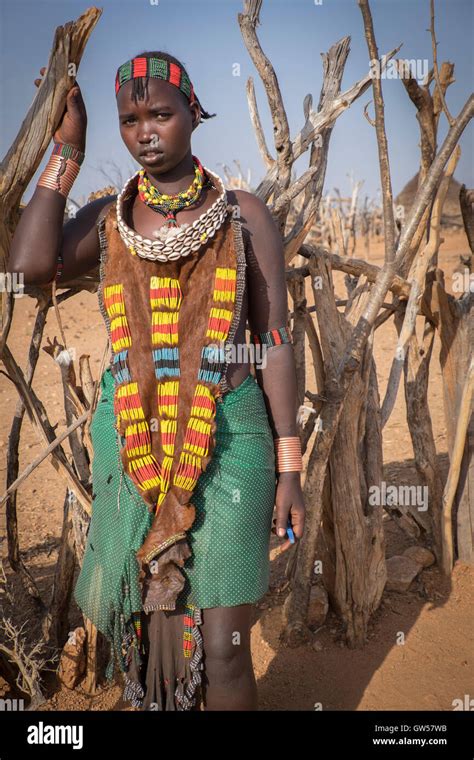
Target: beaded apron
column 170, row 325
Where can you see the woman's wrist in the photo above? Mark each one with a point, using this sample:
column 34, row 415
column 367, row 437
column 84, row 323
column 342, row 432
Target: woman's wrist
column 289, row 476
column 288, row 454
column 62, row 168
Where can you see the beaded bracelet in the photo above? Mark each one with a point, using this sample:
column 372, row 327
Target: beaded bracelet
column 288, row 454
column 59, row 267
column 62, row 168
column 274, row 337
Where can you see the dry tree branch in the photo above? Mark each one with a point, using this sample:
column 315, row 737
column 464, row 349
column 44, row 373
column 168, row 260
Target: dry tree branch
column 355, row 267
column 423, row 101
column 295, row 189
column 387, row 195
column 41, row 457
column 434, row 45
column 454, row 469
column 283, row 146
column 38, row 418
column 366, row 114
column 267, row 158
column 337, row 387
column 334, row 62
column 433, row 178
column 419, row 268
column 14, row 555
column 34, row 136
column 466, row 200
column 316, row 122
column 29, row 663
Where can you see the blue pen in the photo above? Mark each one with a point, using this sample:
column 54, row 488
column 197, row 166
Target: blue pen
column 289, row 531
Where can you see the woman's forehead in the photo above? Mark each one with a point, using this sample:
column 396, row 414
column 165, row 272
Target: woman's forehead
column 160, row 92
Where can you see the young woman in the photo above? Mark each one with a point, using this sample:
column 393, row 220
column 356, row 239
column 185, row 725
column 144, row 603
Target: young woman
column 191, row 451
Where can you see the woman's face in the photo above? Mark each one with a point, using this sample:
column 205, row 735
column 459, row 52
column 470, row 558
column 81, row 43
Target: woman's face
column 157, row 131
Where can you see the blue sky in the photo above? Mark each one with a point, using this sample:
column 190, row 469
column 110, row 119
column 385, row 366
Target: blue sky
column 205, row 36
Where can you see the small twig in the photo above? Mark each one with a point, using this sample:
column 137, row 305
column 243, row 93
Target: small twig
column 295, row 189
column 434, row 45
column 366, row 114
column 34, row 464
column 58, row 313
column 387, row 195
column 257, row 125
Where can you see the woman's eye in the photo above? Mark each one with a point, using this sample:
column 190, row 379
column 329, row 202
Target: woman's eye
column 132, row 119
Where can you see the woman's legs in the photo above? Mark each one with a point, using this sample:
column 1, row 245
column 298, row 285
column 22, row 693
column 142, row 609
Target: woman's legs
column 229, row 681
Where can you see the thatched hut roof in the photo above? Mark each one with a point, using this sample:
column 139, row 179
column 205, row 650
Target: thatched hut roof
column 451, row 209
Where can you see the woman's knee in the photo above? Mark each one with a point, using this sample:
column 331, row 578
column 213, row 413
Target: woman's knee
column 226, row 643
column 224, row 664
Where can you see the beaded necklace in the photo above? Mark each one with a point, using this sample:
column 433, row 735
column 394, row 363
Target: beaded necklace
column 172, row 244
column 169, row 205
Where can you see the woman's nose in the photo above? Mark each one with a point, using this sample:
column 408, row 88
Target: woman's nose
column 147, row 132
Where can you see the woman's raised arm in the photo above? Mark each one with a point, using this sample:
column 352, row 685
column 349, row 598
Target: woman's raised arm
column 40, row 236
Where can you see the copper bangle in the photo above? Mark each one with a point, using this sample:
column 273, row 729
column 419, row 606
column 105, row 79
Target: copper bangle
column 288, row 454
column 62, row 169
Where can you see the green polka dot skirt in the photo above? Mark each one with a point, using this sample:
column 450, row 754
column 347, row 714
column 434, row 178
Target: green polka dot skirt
column 234, row 500
column 229, row 540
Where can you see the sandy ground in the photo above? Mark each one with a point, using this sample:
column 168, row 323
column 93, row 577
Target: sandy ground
column 428, row 672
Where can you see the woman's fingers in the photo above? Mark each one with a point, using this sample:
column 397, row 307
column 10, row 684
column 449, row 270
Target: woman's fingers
column 297, row 520
column 42, row 71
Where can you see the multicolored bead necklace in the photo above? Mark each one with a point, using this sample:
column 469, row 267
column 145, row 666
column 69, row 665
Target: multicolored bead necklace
column 169, row 205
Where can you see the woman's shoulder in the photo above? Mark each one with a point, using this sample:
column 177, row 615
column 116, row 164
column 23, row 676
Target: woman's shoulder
column 101, row 206
column 262, row 238
column 249, row 203
column 256, row 217
column 254, row 212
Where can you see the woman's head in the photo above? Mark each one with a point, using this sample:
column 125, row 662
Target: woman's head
column 156, row 117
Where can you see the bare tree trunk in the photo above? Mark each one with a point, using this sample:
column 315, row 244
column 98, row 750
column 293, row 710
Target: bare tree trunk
column 55, row 624
column 455, row 322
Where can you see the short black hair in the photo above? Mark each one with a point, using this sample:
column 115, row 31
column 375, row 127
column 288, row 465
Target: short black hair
column 140, row 84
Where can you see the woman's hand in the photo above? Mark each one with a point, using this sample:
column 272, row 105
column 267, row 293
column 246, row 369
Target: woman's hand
column 289, row 502
column 73, row 125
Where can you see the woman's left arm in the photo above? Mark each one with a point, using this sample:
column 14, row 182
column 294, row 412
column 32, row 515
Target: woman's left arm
column 275, row 368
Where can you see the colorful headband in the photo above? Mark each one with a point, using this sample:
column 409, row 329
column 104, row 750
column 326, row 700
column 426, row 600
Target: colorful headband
column 158, row 68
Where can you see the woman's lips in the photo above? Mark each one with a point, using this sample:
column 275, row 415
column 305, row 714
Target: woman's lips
column 151, row 156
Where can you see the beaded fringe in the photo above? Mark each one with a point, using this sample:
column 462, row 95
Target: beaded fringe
column 134, row 693
column 240, row 288
column 188, row 699
column 103, row 245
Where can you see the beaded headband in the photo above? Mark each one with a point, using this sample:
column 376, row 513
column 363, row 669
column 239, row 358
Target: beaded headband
column 157, row 68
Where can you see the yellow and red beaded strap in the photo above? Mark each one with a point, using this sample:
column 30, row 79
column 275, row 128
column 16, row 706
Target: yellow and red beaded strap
column 143, row 468
column 198, row 431
column 165, row 301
